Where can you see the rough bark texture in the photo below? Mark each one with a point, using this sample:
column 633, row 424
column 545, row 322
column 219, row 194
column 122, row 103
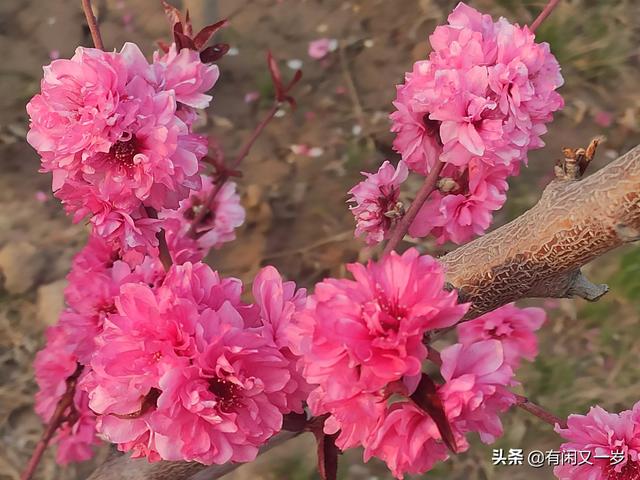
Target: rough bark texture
column 539, row 254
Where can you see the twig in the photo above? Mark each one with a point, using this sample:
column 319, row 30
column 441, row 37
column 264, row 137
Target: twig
column 528, row 406
column 544, row 14
column 254, row 136
column 57, row 419
column 93, row 24
column 400, row 229
column 224, row 175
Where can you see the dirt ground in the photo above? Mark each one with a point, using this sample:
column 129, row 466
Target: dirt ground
column 297, row 219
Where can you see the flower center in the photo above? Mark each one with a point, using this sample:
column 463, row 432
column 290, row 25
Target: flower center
column 123, row 151
column 227, row 393
column 432, row 128
column 390, row 315
column 631, row 471
column 196, row 206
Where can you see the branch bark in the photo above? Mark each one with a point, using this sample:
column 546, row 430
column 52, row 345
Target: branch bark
column 539, row 254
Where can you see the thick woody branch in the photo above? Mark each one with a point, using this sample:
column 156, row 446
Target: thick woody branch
column 539, row 254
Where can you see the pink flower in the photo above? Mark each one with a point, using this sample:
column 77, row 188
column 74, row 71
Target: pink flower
column 514, row 327
column 408, row 440
column 417, row 137
column 603, row 118
column 605, row 435
column 218, row 227
column 362, row 335
column 479, row 104
column 376, row 201
column 224, row 406
column 112, row 139
column 354, row 418
column 186, row 371
column 184, row 73
column 321, row 47
column 474, row 392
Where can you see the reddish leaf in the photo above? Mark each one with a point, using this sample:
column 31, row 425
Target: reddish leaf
column 427, row 398
column 214, row 53
column 172, row 13
column 327, row 455
column 182, row 41
column 188, row 28
column 296, row 78
column 207, row 32
column 276, row 78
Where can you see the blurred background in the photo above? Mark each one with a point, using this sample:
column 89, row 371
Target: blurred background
column 295, row 183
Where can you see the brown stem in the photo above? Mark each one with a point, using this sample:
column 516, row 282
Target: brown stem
column 57, row 419
column 93, row 24
column 244, row 151
column 528, row 406
column 400, row 229
column 544, row 14
column 224, row 175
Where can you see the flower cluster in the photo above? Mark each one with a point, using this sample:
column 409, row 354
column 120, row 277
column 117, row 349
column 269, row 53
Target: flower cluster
column 116, row 133
column 478, row 104
column 363, row 346
column 169, row 362
column 186, row 371
column 613, row 440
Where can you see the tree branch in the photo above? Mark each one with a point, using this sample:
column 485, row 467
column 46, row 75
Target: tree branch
column 93, row 24
column 539, row 254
